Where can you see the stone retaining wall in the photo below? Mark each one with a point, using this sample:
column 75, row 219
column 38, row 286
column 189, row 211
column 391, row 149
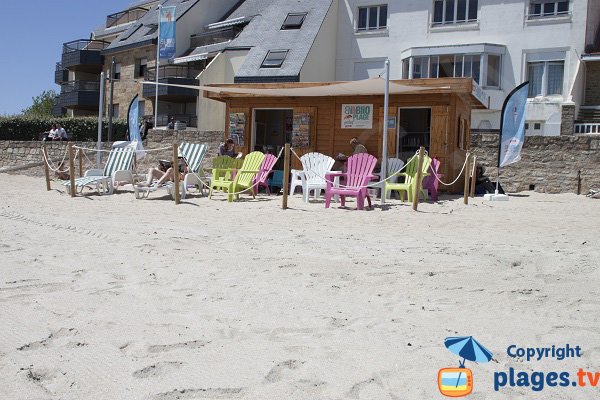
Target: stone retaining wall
column 549, row 164
column 25, row 157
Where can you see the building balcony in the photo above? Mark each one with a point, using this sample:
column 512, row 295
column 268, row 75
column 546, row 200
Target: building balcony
column 125, row 17
column 191, row 121
column 175, row 75
column 61, row 75
column 79, row 95
column 83, row 55
column 57, row 109
column 215, row 36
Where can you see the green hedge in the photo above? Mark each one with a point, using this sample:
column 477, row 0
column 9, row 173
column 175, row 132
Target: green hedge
column 81, row 129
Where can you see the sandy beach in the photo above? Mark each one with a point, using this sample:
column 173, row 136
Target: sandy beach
column 109, row 297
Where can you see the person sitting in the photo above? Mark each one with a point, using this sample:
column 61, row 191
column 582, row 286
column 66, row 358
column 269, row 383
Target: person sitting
column 228, row 148
column 171, row 124
column 164, row 173
column 60, row 133
column 50, row 135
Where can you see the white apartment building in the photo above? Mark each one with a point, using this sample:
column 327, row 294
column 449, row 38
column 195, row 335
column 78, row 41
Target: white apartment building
column 498, row 43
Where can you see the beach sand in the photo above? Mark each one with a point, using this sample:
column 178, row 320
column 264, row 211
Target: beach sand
column 109, row 297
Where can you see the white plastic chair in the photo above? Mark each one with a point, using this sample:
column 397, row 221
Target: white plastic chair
column 312, row 177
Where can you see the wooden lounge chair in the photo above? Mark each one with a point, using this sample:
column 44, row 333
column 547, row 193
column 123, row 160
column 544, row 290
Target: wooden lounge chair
column 118, row 167
column 354, row 181
column 410, row 184
column 243, row 177
column 262, row 178
column 311, row 178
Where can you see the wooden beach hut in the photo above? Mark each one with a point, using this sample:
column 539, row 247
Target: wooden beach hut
column 324, row 117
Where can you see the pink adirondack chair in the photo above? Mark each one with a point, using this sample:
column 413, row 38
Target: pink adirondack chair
column 429, row 182
column 354, row 181
column 261, row 179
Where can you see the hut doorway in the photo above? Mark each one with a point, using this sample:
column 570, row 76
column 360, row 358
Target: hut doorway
column 272, row 129
column 414, row 130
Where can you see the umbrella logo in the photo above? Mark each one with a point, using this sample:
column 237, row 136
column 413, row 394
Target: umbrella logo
column 458, row 382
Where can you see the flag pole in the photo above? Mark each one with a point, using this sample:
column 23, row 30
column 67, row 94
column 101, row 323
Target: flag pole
column 156, row 71
column 384, row 156
column 100, row 115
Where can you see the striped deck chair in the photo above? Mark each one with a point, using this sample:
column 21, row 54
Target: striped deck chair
column 120, row 161
column 193, row 154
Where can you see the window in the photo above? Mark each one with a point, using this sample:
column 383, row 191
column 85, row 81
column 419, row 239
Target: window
column 151, row 29
column 274, row 59
column 545, row 78
column 293, row 21
column 117, row 72
column 115, row 111
column 141, row 67
column 454, row 11
column 372, row 18
column 493, row 71
column 548, row 8
column 453, row 66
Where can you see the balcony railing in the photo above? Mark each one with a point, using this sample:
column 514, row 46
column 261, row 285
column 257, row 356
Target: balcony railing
column 84, row 44
column 215, row 36
column 60, row 74
column 124, row 17
column 587, row 128
column 172, row 71
column 79, row 86
column 190, row 120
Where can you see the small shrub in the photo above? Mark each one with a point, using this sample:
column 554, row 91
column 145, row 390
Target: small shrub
column 82, row 129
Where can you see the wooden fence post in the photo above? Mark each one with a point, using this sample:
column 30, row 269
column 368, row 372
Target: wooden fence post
column 71, row 169
column 418, row 179
column 286, row 176
column 467, row 180
column 46, row 168
column 80, row 151
column 176, row 173
column 474, row 177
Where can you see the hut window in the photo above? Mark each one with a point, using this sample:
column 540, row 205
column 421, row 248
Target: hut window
column 274, row 59
column 372, row 17
column 293, row 21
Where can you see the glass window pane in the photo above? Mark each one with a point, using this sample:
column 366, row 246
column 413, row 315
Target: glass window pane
column 438, row 12
column 405, row 65
column 373, row 17
column 535, row 73
column 548, row 8
column 449, row 11
column 458, row 66
column 563, row 7
column 493, row 71
column 468, row 66
column 473, row 10
column 435, row 64
column 362, row 18
column 446, row 67
column 382, row 16
column 461, row 12
column 477, row 69
column 535, row 9
column 555, row 77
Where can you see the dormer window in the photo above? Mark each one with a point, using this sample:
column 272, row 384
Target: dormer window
column 293, row 21
column 274, row 59
column 151, row 29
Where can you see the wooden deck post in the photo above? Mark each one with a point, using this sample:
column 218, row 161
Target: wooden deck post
column 46, row 168
column 474, row 177
column 176, row 173
column 71, row 169
column 80, row 151
column 418, row 179
column 467, row 180
column 286, row 176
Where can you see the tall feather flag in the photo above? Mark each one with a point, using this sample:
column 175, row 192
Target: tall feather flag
column 512, row 126
column 133, row 117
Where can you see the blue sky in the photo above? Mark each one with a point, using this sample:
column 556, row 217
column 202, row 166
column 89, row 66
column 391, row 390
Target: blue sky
column 33, row 33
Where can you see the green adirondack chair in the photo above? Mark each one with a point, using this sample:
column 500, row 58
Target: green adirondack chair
column 410, row 179
column 222, row 167
column 243, row 178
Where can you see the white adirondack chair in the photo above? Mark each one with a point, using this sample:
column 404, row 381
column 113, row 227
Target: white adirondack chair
column 312, row 177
